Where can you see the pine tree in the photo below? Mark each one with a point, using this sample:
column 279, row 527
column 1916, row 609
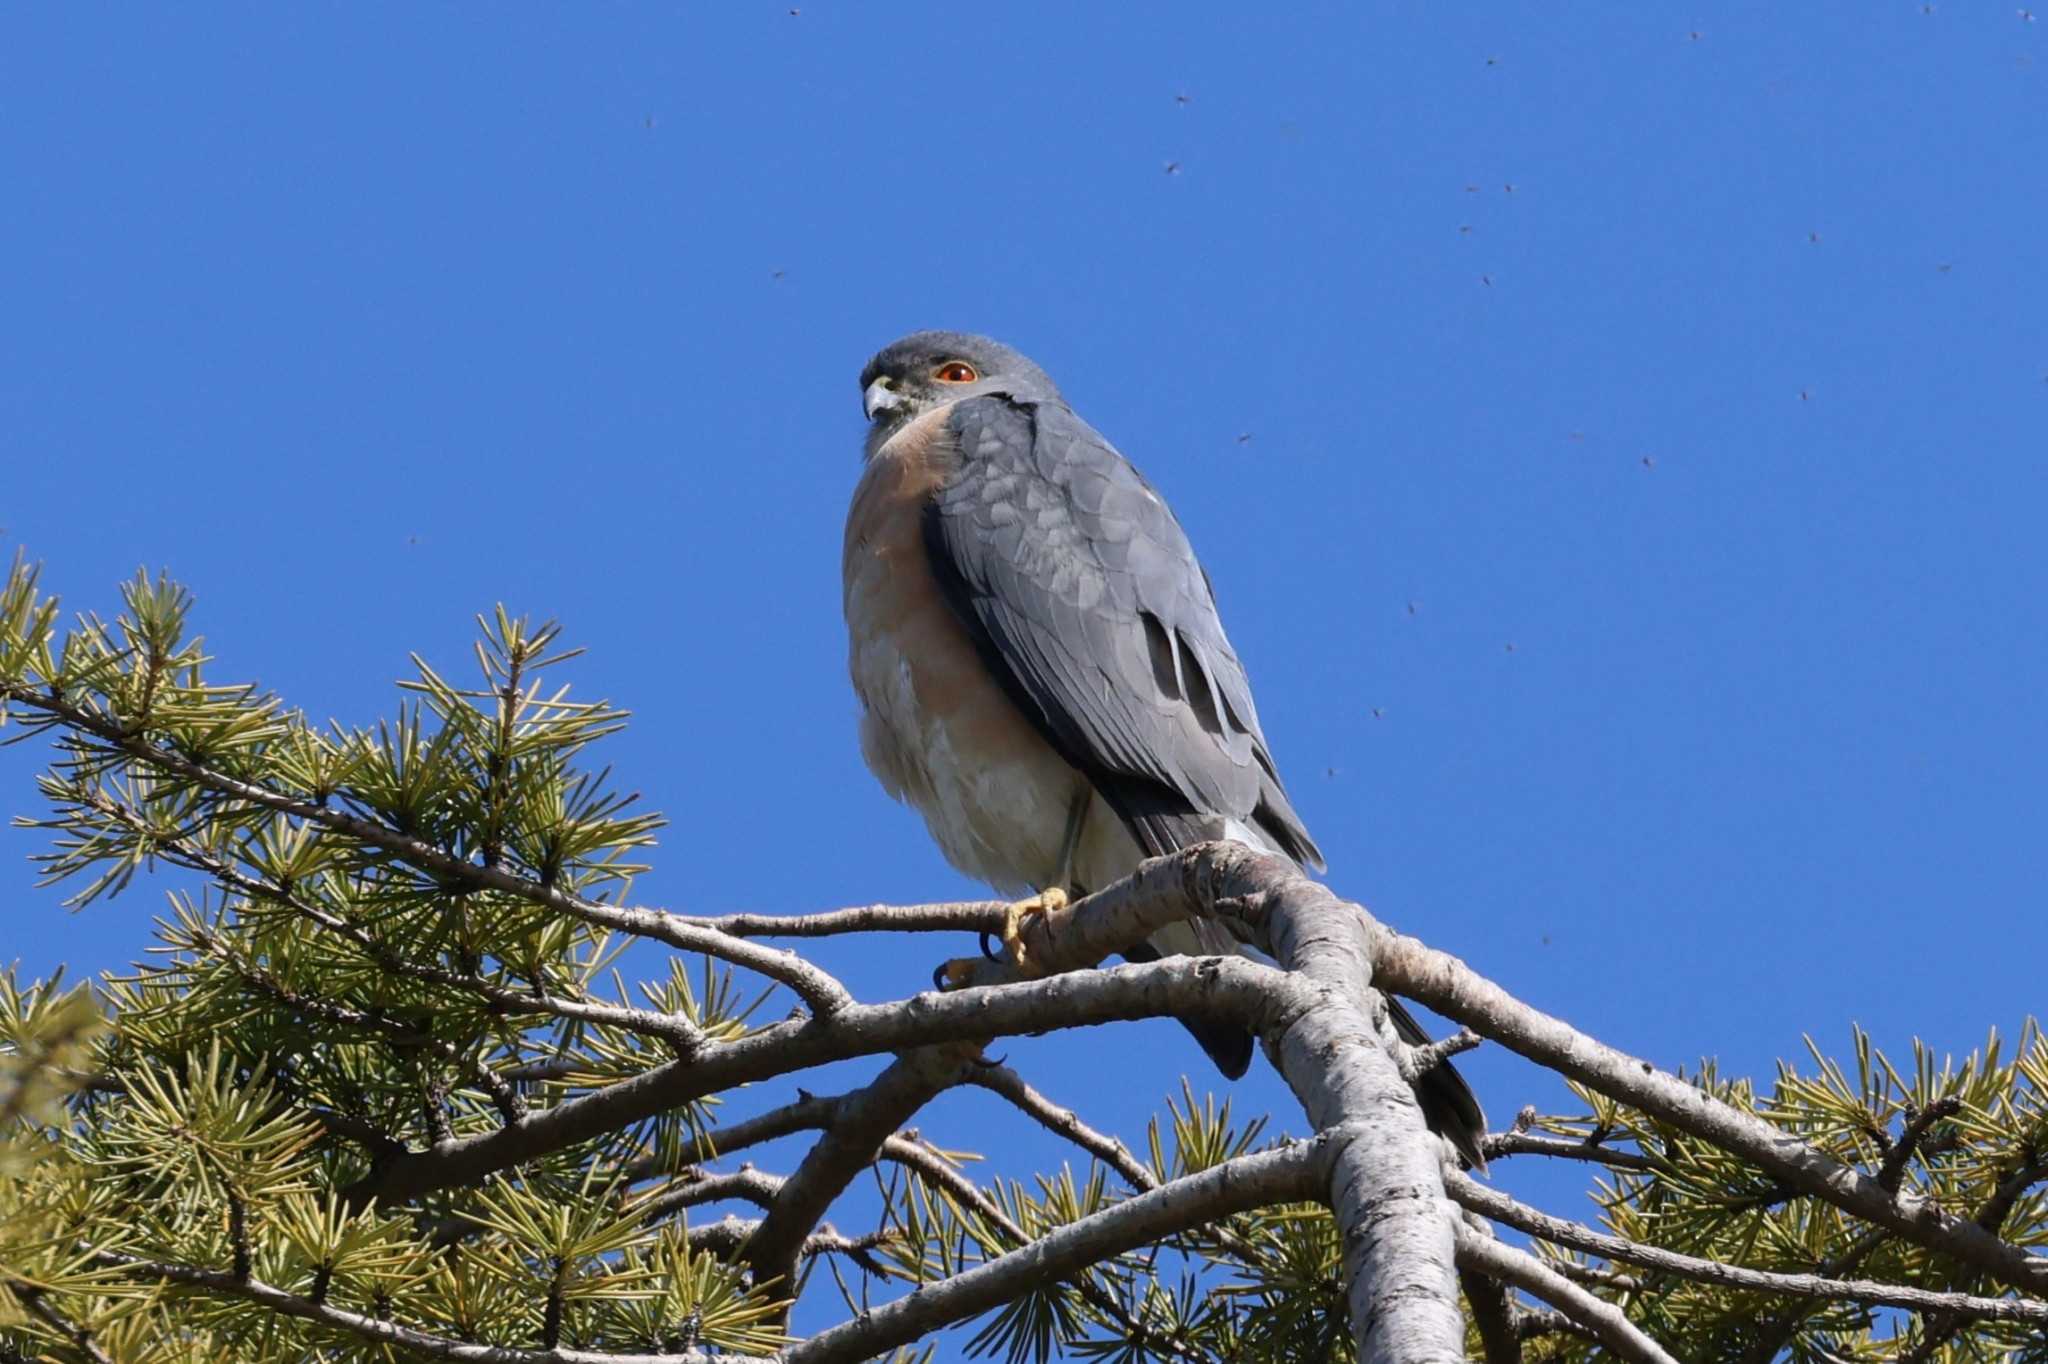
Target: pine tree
column 385, row 1093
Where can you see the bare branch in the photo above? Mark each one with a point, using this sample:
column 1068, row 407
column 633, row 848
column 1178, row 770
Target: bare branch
column 807, row 1114
column 1498, row 1144
column 863, row 1122
column 1423, row 1059
column 1210, row 987
column 1471, row 1194
column 1400, row 1275
column 694, row 1189
column 1453, row 989
column 1481, row 1254
column 962, row 916
column 728, row 1235
column 1286, row 1174
column 1063, row 1122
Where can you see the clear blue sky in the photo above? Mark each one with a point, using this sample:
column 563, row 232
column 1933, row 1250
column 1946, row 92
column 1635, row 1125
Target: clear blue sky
column 1618, row 436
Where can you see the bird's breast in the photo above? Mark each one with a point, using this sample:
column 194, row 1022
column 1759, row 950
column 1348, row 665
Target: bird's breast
column 936, row 726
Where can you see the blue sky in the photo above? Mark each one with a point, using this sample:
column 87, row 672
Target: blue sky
column 1616, row 435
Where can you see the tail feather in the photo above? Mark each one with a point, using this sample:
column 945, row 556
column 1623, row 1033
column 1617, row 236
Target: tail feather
column 1448, row 1104
column 1228, row 1045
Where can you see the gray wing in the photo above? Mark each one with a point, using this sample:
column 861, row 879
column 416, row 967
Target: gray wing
column 1085, row 598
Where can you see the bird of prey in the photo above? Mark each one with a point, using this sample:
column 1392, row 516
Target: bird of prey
column 1040, row 664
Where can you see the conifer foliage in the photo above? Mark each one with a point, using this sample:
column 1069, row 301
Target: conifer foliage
column 385, row 1089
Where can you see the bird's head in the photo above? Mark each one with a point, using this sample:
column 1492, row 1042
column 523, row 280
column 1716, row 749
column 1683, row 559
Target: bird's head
column 925, row 370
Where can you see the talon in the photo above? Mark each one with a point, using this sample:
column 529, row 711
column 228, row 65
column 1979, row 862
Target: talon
column 989, row 1062
column 1013, row 923
column 951, row 975
column 986, row 950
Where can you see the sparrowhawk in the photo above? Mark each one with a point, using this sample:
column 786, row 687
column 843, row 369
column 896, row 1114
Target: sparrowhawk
column 1041, row 668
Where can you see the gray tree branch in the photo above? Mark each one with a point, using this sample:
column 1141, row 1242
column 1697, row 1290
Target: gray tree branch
column 1483, row 1255
column 1237, row 990
column 1453, row 989
column 1400, row 1277
column 1471, row 1194
column 861, row 1126
column 1286, row 1174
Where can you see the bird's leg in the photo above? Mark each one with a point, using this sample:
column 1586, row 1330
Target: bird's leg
column 1050, row 897
column 953, row 974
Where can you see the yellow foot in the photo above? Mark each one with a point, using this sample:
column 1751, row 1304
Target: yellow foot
column 952, row 975
column 1013, row 923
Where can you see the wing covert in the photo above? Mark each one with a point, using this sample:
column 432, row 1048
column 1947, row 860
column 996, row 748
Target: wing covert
column 1085, row 597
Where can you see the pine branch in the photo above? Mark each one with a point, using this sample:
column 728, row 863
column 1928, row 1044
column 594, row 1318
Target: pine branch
column 1451, row 988
column 1476, row 1197
column 1778, row 1330
column 190, row 854
column 224, row 1285
column 1918, row 1124
column 810, row 983
column 511, row 1107
column 37, row 1301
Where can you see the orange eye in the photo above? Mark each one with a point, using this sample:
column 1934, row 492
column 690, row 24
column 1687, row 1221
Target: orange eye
column 955, row 372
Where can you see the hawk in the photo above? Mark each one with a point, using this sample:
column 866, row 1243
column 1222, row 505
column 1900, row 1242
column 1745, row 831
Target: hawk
column 1041, row 668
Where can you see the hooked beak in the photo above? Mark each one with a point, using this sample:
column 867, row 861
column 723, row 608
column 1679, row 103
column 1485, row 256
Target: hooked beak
column 881, row 396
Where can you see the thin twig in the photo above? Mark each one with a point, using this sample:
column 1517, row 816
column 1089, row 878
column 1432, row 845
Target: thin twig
column 694, row 1190
column 1063, row 1122
column 1498, row 1144
column 1427, row 1057
column 1918, row 1122
column 961, row 916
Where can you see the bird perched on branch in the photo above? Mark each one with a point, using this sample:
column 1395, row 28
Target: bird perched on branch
column 1041, row 667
